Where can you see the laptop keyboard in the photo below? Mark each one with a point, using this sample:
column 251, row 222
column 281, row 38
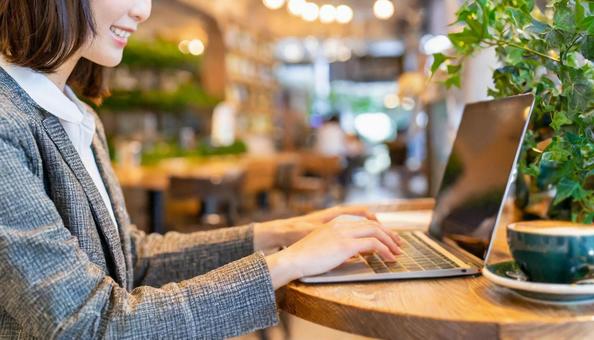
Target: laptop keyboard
column 416, row 256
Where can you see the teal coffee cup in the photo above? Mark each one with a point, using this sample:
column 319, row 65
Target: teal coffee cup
column 552, row 251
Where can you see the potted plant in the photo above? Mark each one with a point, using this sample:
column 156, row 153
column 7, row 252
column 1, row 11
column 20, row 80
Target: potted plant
column 548, row 51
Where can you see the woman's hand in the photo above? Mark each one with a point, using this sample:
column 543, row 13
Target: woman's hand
column 279, row 233
column 327, row 215
column 328, row 246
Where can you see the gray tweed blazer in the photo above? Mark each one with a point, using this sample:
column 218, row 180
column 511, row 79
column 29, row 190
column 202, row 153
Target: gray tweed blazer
column 66, row 271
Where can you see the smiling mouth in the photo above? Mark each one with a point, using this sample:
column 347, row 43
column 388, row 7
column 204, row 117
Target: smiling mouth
column 120, row 33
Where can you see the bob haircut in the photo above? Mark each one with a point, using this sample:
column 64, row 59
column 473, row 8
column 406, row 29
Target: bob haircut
column 43, row 34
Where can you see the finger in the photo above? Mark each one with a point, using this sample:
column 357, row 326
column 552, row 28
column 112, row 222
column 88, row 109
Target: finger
column 370, row 245
column 362, row 211
column 394, row 235
column 329, row 214
column 373, row 229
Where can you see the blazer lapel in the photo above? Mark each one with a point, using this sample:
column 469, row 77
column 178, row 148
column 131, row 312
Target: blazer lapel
column 102, row 218
column 115, row 193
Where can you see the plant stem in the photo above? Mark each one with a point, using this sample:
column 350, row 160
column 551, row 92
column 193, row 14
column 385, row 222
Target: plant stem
column 503, row 43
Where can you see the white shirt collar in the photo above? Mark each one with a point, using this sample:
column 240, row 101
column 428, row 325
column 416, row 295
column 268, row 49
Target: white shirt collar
column 45, row 93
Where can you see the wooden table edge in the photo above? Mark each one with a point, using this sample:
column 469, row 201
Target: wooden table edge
column 373, row 323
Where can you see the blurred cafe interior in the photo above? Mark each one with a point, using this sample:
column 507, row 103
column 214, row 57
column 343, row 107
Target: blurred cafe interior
column 226, row 111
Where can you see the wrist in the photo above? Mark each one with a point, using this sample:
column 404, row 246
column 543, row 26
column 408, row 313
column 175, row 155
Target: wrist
column 268, row 235
column 282, row 269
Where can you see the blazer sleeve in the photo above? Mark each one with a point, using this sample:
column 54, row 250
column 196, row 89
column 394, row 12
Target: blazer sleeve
column 159, row 259
column 52, row 290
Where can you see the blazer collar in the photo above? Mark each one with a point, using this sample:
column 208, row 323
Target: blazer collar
column 44, row 92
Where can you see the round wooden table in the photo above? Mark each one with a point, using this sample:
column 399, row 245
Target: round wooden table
column 467, row 307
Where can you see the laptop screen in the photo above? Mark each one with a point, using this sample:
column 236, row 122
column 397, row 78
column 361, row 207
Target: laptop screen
column 476, row 176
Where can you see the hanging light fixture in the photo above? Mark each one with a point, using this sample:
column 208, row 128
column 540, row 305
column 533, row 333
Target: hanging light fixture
column 310, row 12
column 273, row 4
column 183, row 46
column 296, row 7
column 327, row 14
column 383, row 9
column 344, row 14
column 196, row 47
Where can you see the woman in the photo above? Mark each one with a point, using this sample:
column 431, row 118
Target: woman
column 71, row 265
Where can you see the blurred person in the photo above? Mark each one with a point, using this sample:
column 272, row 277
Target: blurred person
column 71, row 264
column 355, row 156
column 223, row 123
column 330, row 138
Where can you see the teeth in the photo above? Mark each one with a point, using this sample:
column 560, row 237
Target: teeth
column 120, row 33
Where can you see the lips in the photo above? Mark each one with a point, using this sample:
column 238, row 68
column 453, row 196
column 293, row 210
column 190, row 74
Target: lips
column 120, row 33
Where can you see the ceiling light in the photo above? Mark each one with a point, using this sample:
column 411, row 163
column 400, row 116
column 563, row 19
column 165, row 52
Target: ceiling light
column 344, row 54
column 273, row 4
column 183, row 46
column 196, row 47
column 292, row 51
column 383, row 9
column 391, row 101
column 436, row 44
column 296, row 7
column 327, row 14
column 344, row 14
column 310, row 11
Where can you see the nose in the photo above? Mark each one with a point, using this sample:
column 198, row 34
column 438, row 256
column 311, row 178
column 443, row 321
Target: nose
column 141, row 10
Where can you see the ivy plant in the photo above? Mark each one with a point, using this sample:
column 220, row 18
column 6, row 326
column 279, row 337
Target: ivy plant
column 547, row 51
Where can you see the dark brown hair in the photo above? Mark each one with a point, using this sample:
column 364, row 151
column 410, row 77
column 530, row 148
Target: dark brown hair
column 43, row 34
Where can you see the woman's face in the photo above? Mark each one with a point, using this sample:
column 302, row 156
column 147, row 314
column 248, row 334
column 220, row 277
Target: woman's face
column 115, row 21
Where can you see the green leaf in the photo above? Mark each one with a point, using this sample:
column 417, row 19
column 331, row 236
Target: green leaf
column 556, row 38
column 514, row 55
column 453, row 81
column 538, row 27
column 454, row 69
column 559, row 119
column 580, row 11
column 465, row 39
column 520, row 18
column 577, row 88
column 564, row 18
column 587, row 25
column 568, row 188
column 532, row 170
column 588, row 47
column 438, row 59
column 589, row 219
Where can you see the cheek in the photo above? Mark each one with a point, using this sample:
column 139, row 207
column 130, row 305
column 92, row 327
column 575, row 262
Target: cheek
column 103, row 51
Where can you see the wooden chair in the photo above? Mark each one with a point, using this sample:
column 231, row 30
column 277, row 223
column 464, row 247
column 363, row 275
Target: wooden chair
column 217, row 194
column 260, row 175
column 302, row 194
column 326, row 168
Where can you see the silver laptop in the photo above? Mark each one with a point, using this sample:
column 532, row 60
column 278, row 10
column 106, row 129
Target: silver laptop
column 469, row 203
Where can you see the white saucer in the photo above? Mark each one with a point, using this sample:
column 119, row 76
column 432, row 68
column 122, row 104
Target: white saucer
column 552, row 293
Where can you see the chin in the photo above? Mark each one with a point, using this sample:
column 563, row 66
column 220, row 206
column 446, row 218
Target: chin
column 112, row 59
